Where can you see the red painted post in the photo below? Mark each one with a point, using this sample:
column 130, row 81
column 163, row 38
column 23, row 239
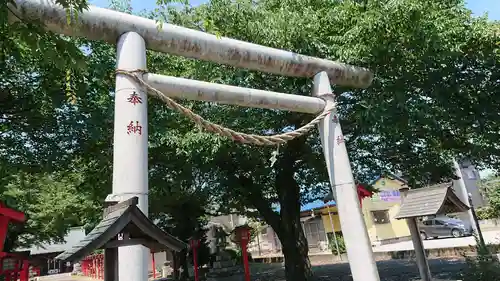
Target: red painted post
column 91, row 267
column 97, row 267
column 245, row 236
column 362, row 194
column 194, row 246
column 7, row 214
column 84, row 266
column 87, row 266
column 101, row 266
column 4, row 223
column 11, row 213
column 25, row 271
column 94, row 267
column 17, row 268
column 98, row 262
column 154, row 264
column 35, row 270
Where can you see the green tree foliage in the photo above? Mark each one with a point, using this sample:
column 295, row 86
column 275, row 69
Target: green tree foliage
column 50, row 205
column 57, row 128
column 435, row 71
column 491, row 191
column 256, row 227
column 181, row 214
column 434, row 96
column 56, row 111
column 340, row 243
column 25, row 41
column 484, row 266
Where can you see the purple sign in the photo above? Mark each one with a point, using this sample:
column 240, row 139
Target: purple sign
column 388, row 196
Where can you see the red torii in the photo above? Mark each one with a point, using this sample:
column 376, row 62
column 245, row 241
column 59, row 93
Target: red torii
column 21, row 263
column 6, row 215
column 362, row 193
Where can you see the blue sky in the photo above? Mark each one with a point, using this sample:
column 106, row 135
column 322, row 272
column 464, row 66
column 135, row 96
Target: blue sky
column 478, row 7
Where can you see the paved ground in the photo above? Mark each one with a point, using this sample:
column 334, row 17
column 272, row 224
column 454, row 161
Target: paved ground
column 394, row 270
column 388, row 270
column 492, row 237
column 58, row 277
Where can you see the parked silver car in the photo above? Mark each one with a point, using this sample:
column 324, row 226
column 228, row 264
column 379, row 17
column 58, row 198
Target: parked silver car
column 438, row 227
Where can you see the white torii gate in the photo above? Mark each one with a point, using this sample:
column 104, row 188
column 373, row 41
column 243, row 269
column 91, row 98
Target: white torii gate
column 130, row 152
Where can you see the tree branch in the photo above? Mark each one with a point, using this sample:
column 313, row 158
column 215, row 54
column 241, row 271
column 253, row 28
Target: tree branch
column 253, row 195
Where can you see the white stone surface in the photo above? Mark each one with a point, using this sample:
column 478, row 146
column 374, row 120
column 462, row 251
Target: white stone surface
column 130, row 148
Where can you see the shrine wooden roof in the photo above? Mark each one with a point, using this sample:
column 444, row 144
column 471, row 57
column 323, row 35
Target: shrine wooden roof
column 124, row 217
column 434, row 200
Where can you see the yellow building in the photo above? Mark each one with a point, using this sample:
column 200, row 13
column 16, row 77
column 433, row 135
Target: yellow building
column 320, row 220
column 379, row 211
column 317, row 219
column 331, row 219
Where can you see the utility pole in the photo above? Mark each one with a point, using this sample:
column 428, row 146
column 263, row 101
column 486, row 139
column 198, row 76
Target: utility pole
column 476, row 222
column 334, row 234
column 463, row 194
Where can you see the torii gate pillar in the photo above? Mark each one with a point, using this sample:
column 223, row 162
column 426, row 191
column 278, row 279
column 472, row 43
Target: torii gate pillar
column 344, row 189
column 130, row 148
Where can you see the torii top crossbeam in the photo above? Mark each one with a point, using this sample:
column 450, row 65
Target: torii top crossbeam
column 104, row 24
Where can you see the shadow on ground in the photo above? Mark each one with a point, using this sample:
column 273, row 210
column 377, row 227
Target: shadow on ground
column 394, row 270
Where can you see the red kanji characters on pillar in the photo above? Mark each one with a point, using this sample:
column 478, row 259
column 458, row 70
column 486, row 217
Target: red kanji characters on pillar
column 134, row 129
column 134, row 98
column 335, row 118
column 340, row 139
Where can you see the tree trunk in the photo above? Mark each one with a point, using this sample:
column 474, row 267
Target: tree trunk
column 287, row 226
column 175, row 267
column 287, row 223
column 181, row 270
column 185, row 268
column 295, row 251
column 293, row 241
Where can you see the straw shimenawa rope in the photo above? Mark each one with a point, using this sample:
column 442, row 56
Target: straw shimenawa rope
column 272, row 140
